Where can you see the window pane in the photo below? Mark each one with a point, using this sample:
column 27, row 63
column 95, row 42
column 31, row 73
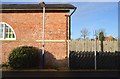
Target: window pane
column 8, row 32
column 13, row 35
column 6, row 35
column 1, row 30
column 6, row 29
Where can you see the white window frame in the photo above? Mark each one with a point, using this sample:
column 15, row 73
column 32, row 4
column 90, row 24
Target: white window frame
column 4, row 38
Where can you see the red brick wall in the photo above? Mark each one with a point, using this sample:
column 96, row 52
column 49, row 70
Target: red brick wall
column 28, row 29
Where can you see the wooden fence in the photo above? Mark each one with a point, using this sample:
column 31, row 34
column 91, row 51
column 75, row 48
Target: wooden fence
column 92, row 45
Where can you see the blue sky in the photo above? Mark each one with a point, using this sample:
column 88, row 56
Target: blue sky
column 93, row 16
column 60, row 0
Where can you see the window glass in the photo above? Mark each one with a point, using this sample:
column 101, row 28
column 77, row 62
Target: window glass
column 6, row 31
column 1, row 31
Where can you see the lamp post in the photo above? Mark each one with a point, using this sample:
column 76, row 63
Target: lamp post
column 95, row 49
column 42, row 4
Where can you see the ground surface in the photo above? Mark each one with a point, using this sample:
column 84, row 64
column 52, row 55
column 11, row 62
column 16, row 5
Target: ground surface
column 53, row 74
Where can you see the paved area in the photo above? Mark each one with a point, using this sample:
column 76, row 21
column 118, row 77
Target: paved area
column 38, row 74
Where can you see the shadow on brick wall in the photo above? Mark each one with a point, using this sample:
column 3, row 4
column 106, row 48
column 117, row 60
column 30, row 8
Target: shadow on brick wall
column 50, row 62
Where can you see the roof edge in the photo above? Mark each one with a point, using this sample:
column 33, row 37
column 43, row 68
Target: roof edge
column 36, row 7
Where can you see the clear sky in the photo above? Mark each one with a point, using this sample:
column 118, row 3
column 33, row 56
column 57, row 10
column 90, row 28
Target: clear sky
column 93, row 16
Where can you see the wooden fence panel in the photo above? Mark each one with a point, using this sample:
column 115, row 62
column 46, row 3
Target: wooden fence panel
column 91, row 45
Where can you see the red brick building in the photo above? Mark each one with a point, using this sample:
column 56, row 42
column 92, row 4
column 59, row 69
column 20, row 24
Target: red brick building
column 21, row 25
column 109, row 38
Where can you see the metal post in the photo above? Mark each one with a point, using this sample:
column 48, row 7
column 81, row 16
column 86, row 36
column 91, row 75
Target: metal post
column 43, row 26
column 95, row 61
column 95, row 50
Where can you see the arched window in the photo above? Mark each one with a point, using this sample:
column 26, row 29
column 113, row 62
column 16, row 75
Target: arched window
column 6, row 32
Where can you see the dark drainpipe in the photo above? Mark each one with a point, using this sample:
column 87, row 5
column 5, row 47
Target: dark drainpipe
column 68, row 17
column 70, row 22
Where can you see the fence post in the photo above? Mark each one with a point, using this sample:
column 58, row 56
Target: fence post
column 95, row 61
column 95, row 52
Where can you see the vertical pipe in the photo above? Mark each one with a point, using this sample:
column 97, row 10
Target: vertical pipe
column 69, row 34
column 68, row 39
column 43, row 37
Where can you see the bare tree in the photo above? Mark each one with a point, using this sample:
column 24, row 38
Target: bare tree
column 84, row 33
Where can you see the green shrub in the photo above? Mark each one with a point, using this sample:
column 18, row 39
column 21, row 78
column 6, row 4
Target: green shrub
column 25, row 57
column 5, row 65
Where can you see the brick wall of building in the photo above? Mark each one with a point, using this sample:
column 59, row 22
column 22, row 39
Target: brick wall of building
column 28, row 29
